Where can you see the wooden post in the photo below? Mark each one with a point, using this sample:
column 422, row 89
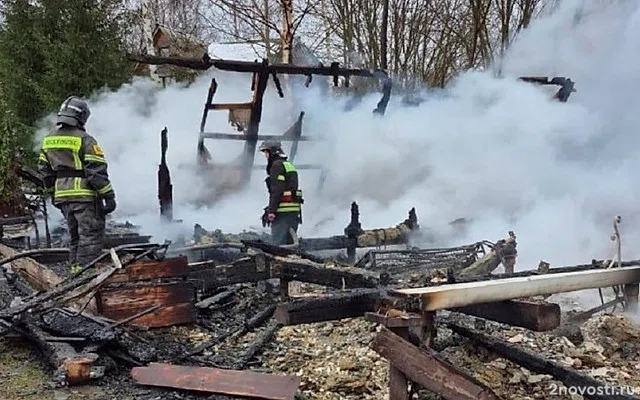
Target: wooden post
column 398, row 383
column 631, row 295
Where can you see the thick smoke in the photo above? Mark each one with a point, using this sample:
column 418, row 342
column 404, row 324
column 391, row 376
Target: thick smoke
column 496, row 151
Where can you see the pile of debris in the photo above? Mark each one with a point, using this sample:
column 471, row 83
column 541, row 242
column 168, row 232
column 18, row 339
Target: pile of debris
column 198, row 319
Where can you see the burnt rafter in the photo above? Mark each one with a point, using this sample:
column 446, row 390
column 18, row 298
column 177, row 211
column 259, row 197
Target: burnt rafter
column 333, row 70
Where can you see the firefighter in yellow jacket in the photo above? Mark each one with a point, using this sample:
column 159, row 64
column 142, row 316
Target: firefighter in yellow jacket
column 74, row 170
column 284, row 211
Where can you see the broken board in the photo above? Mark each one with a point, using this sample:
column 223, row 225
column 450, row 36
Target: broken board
column 214, row 380
column 145, row 284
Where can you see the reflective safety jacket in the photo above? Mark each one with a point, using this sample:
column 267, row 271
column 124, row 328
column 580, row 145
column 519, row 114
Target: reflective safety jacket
column 282, row 184
column 73, row 166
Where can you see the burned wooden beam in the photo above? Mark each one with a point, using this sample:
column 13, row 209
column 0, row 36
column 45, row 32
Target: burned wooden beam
column 219, row 381
column 246, row 66
column 39, row 276
column 177, row 300
column 215, row 299
column 144, row 270
column 250, row 324
column 327, row 308
column 207, row 275
column 281, row 251
column 292, row 269
column 535, row 316
column 258, row 344
column 427, row 369
column 397, row 235
column 70, row 366
column 535, row 363
column 503, row 252
column 165, row 188
column 463, row 294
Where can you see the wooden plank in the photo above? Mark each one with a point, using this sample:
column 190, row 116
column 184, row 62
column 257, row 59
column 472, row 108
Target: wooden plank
column 462, row 294
column 177, row 314
column 398, row 383
column 137, row 298
column 410, row 320
column 219, row 381
column 151, row 269
column 297, row 269
column 535, row 316
column 42, row 278
column 39, row 276
column 428, row 370
column 327, row 308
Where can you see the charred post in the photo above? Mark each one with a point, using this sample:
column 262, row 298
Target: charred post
column 427, row 369
column 351, row 232
column 165, row 188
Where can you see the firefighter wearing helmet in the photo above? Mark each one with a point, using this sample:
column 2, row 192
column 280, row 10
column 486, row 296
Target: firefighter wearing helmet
column 284, row 211
column 74, row 171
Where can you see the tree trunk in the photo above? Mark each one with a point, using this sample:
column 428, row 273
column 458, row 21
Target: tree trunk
column 287, row 31
column 147, row 27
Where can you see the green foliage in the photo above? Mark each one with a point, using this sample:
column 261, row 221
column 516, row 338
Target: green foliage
column 49, row 50
column 14, row 143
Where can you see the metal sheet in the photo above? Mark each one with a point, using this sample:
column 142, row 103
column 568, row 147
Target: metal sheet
column 213, row 380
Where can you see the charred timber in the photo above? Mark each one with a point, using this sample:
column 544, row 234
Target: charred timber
column 503, row 252
column 534, row 316
column 427, row 369
column 281, row 251
column 70, row 366
column 250, row 324
column 246, row 66
column 245, row 270
column 328, row 308
column 306, row 271
column 261, row 340
column 165, row 188
column 533, row 362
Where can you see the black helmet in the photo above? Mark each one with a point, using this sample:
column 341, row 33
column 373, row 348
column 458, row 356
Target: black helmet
column 73, row 111
column 272, row 146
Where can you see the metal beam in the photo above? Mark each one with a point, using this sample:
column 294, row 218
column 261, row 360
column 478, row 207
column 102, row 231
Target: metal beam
column 463, row 294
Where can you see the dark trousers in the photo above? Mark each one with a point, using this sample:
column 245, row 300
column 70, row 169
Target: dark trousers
column 280, row 228
column 86, row 224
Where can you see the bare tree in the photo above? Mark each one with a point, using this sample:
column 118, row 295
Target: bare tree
column 254, row 22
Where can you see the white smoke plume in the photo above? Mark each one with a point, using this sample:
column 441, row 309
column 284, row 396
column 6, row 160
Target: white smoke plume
column 494, row 150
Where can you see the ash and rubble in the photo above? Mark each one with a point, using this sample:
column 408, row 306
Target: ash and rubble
column 334, row 358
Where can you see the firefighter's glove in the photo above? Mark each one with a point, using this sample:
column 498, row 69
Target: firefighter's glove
column 109, row 205
column 265, row 220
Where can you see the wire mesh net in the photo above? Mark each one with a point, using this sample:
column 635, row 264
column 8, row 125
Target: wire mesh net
column 401, row 262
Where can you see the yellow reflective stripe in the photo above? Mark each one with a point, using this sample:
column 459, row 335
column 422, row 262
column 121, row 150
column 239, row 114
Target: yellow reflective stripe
column 288, row 209
column 72, row 143
column 288, row 167
column 281, row 178
column 90, row 157
column 75, row 193
column 105, row 189
column 42, row 157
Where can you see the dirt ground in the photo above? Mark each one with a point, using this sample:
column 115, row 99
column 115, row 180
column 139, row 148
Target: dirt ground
column 24, row 376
